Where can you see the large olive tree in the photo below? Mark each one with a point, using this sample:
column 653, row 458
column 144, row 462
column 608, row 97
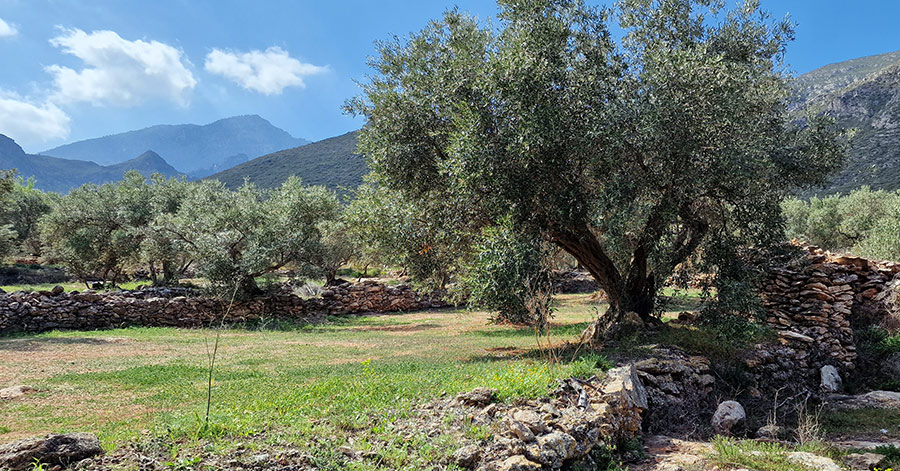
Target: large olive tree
column 629, row 155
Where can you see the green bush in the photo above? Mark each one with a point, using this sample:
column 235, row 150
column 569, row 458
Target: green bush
column 507, row 275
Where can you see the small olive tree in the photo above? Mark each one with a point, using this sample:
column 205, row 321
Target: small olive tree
column 23, row 211
column 430, row 240
column 504, row 273
column 631, row 156
column 7, row 231
column 237, row 236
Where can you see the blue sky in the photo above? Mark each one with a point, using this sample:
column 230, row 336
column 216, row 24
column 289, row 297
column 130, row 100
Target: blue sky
column 73, row 70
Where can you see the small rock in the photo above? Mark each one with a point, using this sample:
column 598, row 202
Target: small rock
column 517, row 463
column 811, row 461
column 863, row 461
column 729, row 418
column 521, row 431
column 51, row 450
column 57, row 290
column 555, row 448
column 831, row 380
column 531, row 419
column 467, row 456
column 770, row 431
column 14, row 392
column 476, row 397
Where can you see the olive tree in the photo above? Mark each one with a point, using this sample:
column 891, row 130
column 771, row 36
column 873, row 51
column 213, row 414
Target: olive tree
column 630, row 156
column 95, row 230
column 427, row 238
column 23, row 211
column 237, row 236
column 8, row 233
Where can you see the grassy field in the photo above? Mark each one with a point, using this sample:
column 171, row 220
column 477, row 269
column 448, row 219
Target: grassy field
column 348, row 378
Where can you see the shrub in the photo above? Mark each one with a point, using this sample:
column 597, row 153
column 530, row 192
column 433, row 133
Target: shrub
column 506, row 275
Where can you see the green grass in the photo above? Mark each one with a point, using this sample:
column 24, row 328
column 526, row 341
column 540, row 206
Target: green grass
column 70, row 286
column 867, row 422
column 730, row 453
column 311, row 386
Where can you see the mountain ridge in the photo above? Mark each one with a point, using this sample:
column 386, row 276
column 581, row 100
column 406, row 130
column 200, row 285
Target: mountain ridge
column 190, row 148
column 861, row 94
column 62, row 175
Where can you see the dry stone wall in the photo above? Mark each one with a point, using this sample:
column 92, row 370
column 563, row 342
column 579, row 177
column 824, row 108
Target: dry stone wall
column 814, row 305
column 48, row 310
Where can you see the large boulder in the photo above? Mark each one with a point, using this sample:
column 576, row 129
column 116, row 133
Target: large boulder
column 729, row 418
column 51, row 450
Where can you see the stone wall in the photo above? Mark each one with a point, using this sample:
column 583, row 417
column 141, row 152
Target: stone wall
column 815, row 304
column 48, row 310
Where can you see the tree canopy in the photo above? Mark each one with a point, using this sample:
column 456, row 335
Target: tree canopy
column 629, row 155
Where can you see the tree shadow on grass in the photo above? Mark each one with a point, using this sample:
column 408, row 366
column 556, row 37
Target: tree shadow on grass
column 509, row 331
column 566, row 352
column 33, row 344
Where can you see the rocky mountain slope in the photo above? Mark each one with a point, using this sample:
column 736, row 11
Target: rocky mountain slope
column 332, row 162
column 862, row 94
column 61, row 175
column 198, row 150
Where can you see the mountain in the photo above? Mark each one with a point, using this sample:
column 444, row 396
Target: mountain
column 332, row 162
column 62, row 175
column 190, row 148
column 862, row 94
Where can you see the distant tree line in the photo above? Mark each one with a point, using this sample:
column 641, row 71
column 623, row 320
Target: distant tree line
column 865, row 222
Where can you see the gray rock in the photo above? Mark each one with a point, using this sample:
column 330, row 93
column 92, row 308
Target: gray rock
column 729, row 418
column 51, row 450
column 521, row 431
column 467, row 456
column 531, row 419
column 863, row 461
column 831, row 380
column 555, row 448
column 869, row 400
column 14, row 392
column 625, row 381
column 811, row 461
column 517, row 463
column 476, row 397
column 770, row 431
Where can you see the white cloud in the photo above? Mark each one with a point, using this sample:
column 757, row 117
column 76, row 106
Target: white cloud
column 7, row 30
column 29, row 123
column 268, row 72
column 119, row 72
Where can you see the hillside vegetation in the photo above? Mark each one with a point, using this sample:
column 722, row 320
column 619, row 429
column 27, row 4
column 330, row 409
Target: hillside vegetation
column 862, row 94
column 331, row 162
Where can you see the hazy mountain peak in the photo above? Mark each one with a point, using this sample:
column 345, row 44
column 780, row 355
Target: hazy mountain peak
column 187, row 147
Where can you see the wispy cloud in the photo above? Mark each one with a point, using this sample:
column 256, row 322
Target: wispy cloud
column 7, row 30
column 268, row 72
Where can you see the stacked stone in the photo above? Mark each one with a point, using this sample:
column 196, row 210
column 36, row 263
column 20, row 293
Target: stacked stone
column 371, row 296
column 49, row 310
column 679, row 389
column 558, row 430
column 812, row 305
